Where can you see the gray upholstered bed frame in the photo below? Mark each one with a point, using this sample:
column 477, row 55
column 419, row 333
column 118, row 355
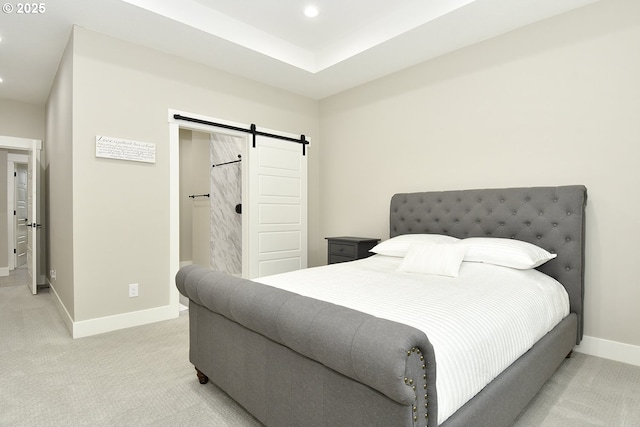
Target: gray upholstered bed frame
column 293, row 361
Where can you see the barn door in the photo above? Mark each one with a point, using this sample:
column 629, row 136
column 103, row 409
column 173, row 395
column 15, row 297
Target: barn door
column 277, row 207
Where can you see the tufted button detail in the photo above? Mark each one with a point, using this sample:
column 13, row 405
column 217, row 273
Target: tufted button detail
column 528, row 199
column 568, row 239
column 477, row 221
column 555, row 200
column 501, row 200
column 528, row 224
column 539, row 237
column 568, row 213
column 502, row 224
column 567, row 268
column 555, row 224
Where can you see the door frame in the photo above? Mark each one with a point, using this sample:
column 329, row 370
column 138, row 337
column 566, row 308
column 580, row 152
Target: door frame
column 174, row 189
column 34, row 147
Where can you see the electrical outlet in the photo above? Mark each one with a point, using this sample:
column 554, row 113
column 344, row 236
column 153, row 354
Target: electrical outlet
column 52, row 274
column 133, row 290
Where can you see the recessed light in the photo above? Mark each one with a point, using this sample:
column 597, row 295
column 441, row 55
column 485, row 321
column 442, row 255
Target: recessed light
column 311, row 11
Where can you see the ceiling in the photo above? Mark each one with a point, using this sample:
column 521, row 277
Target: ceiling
column 349, row 43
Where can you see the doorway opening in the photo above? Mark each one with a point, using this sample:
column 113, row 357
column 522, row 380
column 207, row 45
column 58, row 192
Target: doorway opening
column 14, row 154
column 211, row 200
column 273, row 195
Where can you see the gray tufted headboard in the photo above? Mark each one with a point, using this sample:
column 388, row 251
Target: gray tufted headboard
column 550, row 217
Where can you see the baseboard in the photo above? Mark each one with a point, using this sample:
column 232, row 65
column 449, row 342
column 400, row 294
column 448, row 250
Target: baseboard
column 4, row 271
column 598, row 347
column 185, row 263
column 101, row 325
column 64, row 314
column 612, row 350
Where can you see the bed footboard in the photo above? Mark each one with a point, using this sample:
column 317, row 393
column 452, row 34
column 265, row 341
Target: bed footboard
column 292, row 360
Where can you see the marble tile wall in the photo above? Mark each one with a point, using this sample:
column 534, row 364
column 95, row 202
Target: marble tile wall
column 226, row 193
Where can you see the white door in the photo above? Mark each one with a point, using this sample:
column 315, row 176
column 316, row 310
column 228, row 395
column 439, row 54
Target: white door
column 32, row 223
column 277, row 207
column 21, row 215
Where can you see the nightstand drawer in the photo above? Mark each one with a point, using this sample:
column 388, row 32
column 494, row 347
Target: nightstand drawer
column 343, row 249
column 334, row 259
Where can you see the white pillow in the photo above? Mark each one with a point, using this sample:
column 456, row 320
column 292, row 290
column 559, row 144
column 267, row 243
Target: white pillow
column 443, row 259
column 399, row 245
column 506, row 252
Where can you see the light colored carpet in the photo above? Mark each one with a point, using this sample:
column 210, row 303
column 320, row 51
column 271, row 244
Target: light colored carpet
column 142, row 377
column 18, row 277
column 134, row 377
column 587, row 391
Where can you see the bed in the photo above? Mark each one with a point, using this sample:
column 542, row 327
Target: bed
column 293, row 360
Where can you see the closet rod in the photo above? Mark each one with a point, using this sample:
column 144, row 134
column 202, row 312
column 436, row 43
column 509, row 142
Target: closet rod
column 252, row 131
column 228, row 163
column 193, row 196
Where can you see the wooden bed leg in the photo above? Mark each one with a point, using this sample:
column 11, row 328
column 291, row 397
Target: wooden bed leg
column 202, row 377
column 569, row 355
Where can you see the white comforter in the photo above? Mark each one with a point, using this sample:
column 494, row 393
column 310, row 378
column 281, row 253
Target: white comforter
column 478, row 323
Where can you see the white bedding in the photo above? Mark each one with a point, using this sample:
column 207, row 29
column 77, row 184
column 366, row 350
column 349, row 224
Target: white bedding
column 497, row 315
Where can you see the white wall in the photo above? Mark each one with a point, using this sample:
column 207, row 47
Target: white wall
column 21, row 119
column 120, row 222
column 186, row 187
column 554, row 103
column 194, row 179
column 59, row 184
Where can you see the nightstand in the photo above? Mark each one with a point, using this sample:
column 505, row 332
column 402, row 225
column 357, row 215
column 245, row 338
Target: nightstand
column 341, row 249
